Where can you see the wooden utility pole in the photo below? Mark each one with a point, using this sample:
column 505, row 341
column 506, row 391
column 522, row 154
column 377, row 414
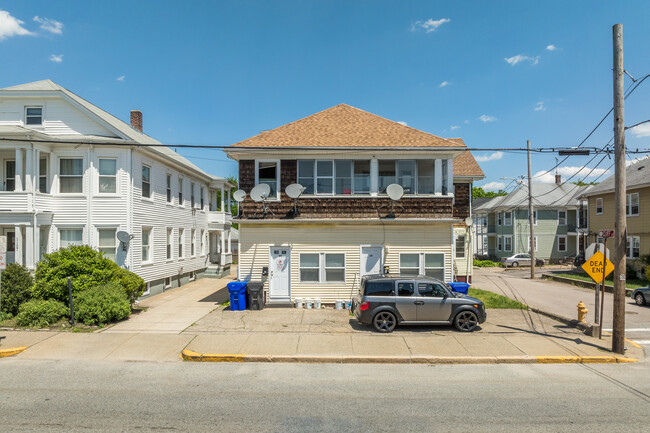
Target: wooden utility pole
column 620, row 224
column 531, row 218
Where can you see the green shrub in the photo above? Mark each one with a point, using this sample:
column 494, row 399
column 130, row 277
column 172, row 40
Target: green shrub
column 102, row 304
column 16, row 282
column 39, row 313
column 130, row 282
column 87, row 268
column 487, row 264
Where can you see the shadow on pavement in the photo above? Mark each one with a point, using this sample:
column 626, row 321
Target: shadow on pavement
column 219, row 297
column 554, row 337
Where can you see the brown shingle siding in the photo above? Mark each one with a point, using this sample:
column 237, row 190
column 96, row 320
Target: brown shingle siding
column 247, row 174
column 461, row 200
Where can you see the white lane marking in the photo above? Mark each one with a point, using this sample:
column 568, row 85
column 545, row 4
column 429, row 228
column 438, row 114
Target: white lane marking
column 631, row 330
column 642, row 342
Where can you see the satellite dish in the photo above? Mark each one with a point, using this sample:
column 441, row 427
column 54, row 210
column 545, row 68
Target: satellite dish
column 259, row 193
column 469, row 221
column 239, row 195
column 294, row 190
column 395, row 191
column 123, row 236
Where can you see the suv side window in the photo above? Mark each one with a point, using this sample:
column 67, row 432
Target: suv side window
column 405, row 289
column 431, row 290
column 379, row 288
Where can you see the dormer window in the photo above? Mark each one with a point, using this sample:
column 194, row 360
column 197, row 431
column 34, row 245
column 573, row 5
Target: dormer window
column 33, row 115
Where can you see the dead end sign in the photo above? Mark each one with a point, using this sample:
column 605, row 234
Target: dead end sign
column 594, row 266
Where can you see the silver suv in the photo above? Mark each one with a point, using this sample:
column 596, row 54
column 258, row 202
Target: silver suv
column 386, row 301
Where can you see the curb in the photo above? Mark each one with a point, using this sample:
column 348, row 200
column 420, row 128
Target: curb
column 10, row 352
column 191, row 356
column 584, row 284
column 585, row 327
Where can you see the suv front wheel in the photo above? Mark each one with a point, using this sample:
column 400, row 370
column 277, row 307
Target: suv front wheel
column 466, row 321
column 384, row 321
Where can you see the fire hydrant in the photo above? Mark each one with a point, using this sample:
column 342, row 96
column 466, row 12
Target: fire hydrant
column 582, row 312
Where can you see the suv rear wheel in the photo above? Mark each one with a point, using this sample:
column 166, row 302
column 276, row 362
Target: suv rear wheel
column 466, row 321
column 384, row 321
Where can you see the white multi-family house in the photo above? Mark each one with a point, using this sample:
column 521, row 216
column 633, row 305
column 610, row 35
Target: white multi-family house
column 72, row 174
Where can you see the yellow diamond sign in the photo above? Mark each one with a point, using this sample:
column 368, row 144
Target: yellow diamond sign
column 594, row 266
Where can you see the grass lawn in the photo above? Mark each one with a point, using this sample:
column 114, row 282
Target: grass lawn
column 493, row 300
column 630, row 284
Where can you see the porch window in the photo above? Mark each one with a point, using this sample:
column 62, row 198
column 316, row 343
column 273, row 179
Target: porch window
column 361, row 177
column 10, row 175
column 146, row 181
column 309, row 267
column 70, row 237
column 267, row 173
column 71, row 175
column 343, row 183
column 170, row 238
column 460, row 246
column 445, row 175
column 108, row 243
column 107, row 176
column 633, row 249
column 42, row 175
column 406, row 175
column 169, row 188
column 146, row 245
column 426, row 176
column 324, row 177
column 561, row 244
column 33, row 115
column 306, row 175
column 386, row 174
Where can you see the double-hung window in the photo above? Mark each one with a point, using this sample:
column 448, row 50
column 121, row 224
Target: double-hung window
column 500, row 243
column 170, row 240
column 107, row 175
column 202, row 250
column 324, row 177
column 42, row 175
column 202, row 197
column 267, row 172
column 507, row 218
column 306, row 175
column 429, row 264
column 193, row 242
column 632, row 204
column 322, row 267
column 33, row 115
column 633, row 250
column 71, row 175
column 146, row 181
column 180, row 192
column 107, row 242
column 192, row 198
column 460, row 246
column 561, row 244
column 499, row 218
column 146, row 245
column 169, row 188
column 69, row 237
column 599, row 206
column 10, row 175
column 507, row 243
column 535, row 241
column 561, row 217
column 181, row 239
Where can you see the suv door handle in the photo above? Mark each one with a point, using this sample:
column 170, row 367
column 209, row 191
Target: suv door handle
column 419, row 302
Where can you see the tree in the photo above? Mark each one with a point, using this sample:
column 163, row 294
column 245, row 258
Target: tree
column 478, row 192
column 581, row 183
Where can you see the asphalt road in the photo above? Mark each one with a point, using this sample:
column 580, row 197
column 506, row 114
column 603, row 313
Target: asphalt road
column 103, row 396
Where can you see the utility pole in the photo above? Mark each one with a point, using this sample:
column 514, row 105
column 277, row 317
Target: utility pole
column 531, row 218
column 620, row 224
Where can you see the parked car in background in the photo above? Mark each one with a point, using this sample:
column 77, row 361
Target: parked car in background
column 520, row 260
column 641, row 296
column 386, row 301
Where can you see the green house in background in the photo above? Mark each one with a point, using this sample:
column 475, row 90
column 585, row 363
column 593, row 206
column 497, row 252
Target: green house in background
column 502, row 228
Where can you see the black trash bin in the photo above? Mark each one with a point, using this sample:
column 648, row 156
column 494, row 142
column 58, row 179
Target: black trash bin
column 255, row 295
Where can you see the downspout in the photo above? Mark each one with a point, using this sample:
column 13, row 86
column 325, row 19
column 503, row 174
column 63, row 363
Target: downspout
column 90, row 194
column 129, row 211
column 32, row 209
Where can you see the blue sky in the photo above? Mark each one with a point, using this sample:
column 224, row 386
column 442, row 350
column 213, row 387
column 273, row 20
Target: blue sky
column 203, row 72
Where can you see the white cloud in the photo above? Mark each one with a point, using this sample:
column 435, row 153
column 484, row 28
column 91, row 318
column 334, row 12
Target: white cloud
column 567, row 172
column 121, row 78
column 521, row 58
column 551, row 47
column 641, row 130
column 466, row 122
column 485, row 118
column 490, row 157
column 56, row 58
column 49, row 25
column 493, row 186
column 454, row 127
column 444, row 84
column 11, row 26
column 429, row 25
column 540, row 106
column 401, row 122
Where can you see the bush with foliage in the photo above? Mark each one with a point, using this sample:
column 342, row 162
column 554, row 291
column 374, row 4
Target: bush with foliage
column 102, row 304
column 16, row 283
column 87, row 268
column 487, row 264
column 39, row 313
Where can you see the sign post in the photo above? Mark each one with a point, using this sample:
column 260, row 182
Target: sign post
column 3, row 264
column 598, row 267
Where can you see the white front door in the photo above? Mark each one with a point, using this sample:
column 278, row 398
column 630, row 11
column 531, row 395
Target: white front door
column 279, row 273
column 371, row 260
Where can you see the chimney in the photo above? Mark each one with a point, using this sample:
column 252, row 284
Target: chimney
column 558, row 177
column 136, row 119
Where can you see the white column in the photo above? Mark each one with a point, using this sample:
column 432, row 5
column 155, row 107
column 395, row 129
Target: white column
column 438, row 176
column 223, row 245
column 223, row 198
column 37, row 169
column 19, row 170
column 229, row 242
column 228, row 210
column 20, row 245
column 450, row 176
column 53, row 168
column 374, row 176
column 29, row 170
column 29, row 246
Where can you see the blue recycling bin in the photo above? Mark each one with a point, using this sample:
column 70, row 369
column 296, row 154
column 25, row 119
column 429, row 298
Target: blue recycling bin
column 460, row 287
column 237, row 291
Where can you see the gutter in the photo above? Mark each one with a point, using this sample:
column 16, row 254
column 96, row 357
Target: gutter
column 349, row 220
